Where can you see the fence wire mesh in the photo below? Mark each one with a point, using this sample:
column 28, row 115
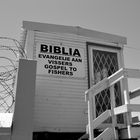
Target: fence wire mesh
column 10, row 52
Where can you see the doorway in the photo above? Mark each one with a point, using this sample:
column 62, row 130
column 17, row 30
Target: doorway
column 103, row 62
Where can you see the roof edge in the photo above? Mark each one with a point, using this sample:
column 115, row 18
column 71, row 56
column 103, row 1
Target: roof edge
column 45, row 27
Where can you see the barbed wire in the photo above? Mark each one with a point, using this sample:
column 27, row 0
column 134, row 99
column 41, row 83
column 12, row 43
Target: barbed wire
column 10, row 52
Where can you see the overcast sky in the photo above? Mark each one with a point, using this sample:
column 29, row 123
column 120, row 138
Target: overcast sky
column 121, row 17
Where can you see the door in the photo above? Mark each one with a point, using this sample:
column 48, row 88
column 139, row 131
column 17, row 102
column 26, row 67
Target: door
column 103, row 62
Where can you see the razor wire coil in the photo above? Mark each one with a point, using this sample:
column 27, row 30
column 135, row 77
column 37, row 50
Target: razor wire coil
column 10, row 52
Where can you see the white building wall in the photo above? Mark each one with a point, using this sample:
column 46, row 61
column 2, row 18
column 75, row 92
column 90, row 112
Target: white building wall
column 59, row 103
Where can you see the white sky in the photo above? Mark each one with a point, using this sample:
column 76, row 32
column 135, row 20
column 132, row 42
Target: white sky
column 121, row 17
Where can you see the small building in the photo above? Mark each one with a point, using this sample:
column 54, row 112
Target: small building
column 69, row 61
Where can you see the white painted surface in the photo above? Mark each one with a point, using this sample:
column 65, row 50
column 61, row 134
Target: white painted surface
column 6, row 119
column 56, row 59
column 60, row 103
column 106, row 135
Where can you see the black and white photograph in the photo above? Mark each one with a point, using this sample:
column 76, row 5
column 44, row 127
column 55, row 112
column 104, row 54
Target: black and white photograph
column 70, row 70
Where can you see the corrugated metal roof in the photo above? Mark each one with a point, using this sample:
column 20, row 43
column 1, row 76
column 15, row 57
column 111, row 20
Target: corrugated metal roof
column 45, row 27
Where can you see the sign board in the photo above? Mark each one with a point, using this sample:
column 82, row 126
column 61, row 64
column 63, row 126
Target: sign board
column 60, row 60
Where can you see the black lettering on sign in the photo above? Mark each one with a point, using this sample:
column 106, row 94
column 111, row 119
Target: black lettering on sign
column 59, row 50
column 76, row 60
column 60, row 72
column 76, row 53
column 64, row 51
column 43, row 48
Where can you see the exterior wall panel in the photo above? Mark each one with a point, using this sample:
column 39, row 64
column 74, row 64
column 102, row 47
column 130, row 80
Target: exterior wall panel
column 60, row 104
column 59, row 101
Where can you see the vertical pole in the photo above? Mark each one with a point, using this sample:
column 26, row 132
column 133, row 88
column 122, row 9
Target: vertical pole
column 126, row 97
column 24, row 106
column 127, row 101
column 90, row 116
column 113, row 105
